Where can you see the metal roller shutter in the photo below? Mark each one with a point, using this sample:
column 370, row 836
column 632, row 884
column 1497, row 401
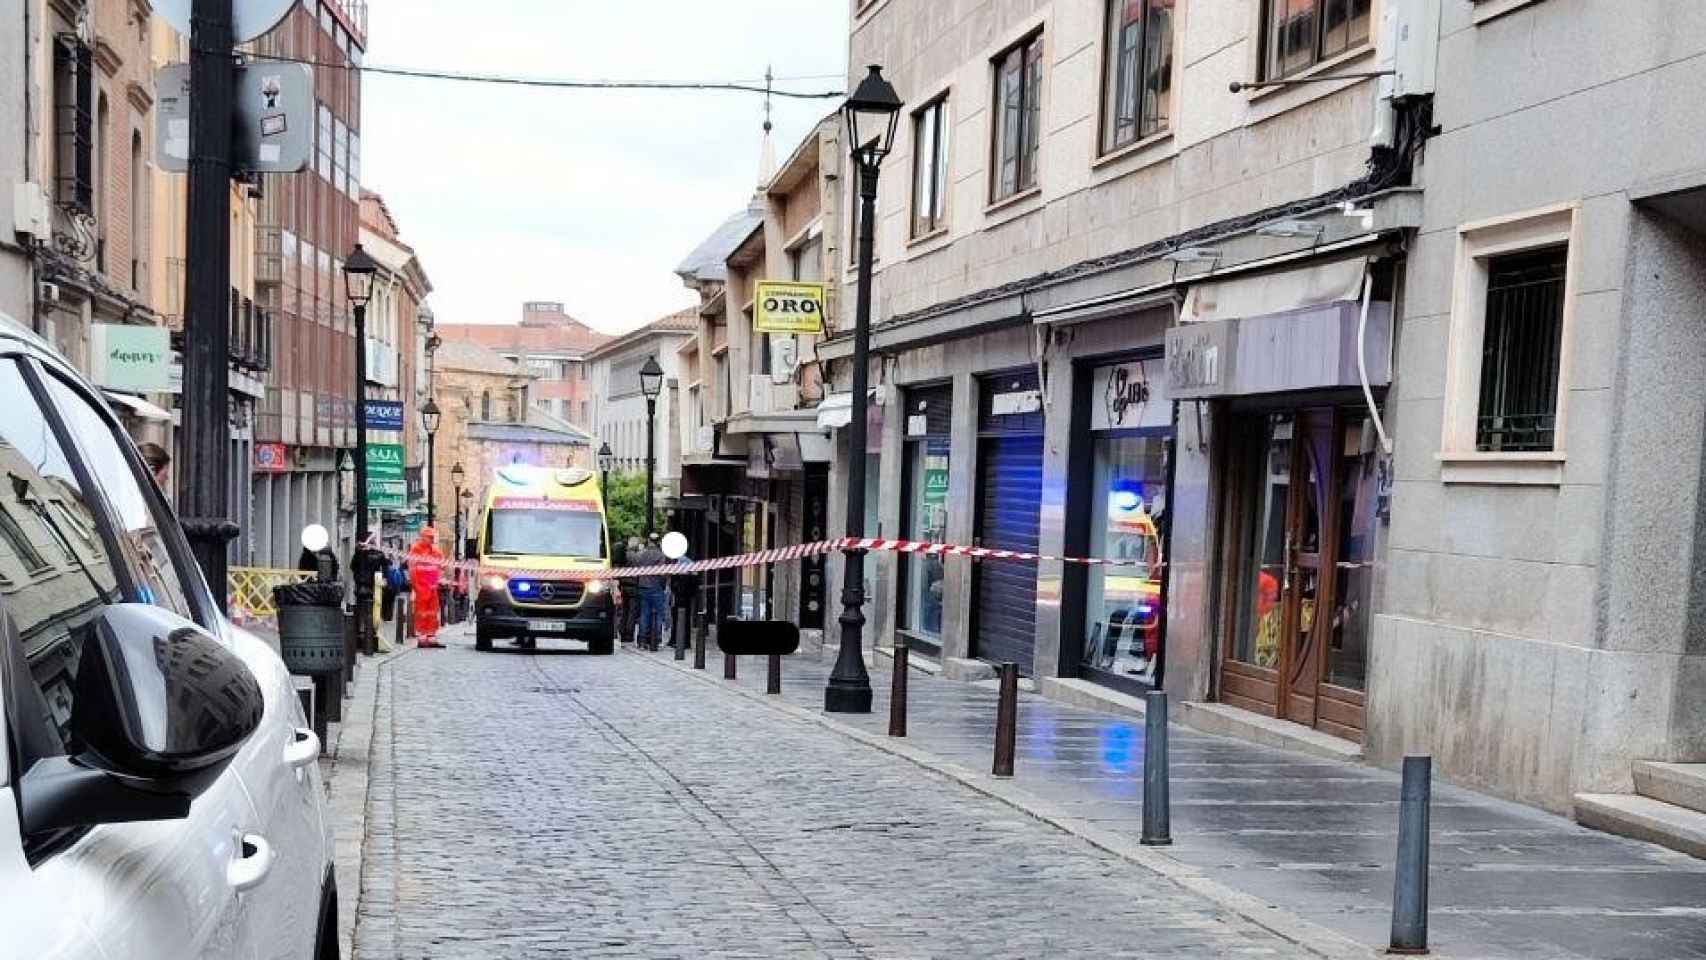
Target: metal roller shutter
column 1010, row 479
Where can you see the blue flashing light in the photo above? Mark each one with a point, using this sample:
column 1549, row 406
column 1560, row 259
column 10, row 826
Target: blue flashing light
column 521, row 586
column 1145, row 608
column 1127, row 500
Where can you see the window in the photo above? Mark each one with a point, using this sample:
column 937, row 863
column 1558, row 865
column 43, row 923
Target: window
column 1507, row 366
column 1301, row 33
column 805, row 261
column 486, row 405
column 73, row 123
column 1137, row 87
column 138, row 184
column 1018, row 117
column 930, row 168
column 1520, row 351
column 103, row 179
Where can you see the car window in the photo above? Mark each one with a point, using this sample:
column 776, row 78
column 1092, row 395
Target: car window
column 139, row 530
column 55, row 572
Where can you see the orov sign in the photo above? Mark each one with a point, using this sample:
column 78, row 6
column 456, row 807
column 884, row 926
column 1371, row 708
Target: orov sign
column 788, row 307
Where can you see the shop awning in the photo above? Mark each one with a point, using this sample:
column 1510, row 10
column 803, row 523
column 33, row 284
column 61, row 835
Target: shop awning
column 127, row 403
column 835, row 410
column 1294, row 288
column 1113, row 305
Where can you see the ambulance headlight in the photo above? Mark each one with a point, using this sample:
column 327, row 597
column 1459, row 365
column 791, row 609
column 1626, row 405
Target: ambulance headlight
column 594, row 587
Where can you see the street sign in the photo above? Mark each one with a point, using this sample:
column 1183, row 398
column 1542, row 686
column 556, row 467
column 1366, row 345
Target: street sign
column 780, row 307
column 384, row 415
column 272, row 122
column 249, row 18
column 386, row 487
column 273, row 118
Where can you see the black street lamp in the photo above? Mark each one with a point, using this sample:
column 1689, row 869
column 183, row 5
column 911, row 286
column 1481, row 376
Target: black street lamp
column 429, row 419
column 457, row 475
column 876, row 107
column 651, row 384
column 359, row 269
column 606, row 459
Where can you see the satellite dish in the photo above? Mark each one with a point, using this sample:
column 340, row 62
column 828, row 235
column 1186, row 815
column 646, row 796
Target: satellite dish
column 249, row 18
column 674, row 545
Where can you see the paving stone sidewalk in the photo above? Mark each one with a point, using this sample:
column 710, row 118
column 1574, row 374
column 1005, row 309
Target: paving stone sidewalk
column 1313, row 837
column 546, row 805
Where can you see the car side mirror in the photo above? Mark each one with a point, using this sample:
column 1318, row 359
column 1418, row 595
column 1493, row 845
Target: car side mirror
column 159, row 707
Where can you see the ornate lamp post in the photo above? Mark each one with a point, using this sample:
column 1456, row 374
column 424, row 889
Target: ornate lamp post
column 359, row 269
column 457, row 475
column 651, row 384
column 606, row 460
column 871, row 114
column 429, row 419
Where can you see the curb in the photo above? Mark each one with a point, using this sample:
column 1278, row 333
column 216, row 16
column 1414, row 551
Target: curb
column 1306, row 934
column 346, row 783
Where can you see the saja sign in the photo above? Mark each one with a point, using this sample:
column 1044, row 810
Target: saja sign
column 130, row 357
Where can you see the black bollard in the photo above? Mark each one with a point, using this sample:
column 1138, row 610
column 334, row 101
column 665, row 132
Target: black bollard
column 1410, row 887
column 1006, row 720
column 728, row 666
column 678, row 633
column 1157, row 805
column 773, row 678
column 398, row 610
column 897, row 688
column 700, row 640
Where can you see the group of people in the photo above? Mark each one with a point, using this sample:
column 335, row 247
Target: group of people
column 647, row 597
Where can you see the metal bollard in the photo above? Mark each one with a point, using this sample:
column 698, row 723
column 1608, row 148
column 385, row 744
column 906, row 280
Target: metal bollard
column 678, row 633
column 700, row 639
column 728, row 666
column 399, row 611
column 1157, row 804
column 897, row 688
column 773, row 678
column 1006, row 720
column 1410, row 887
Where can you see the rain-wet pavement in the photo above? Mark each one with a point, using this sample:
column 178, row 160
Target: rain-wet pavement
column 1314, row 837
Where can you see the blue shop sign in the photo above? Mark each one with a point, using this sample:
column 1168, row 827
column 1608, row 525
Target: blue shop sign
column 384, row 415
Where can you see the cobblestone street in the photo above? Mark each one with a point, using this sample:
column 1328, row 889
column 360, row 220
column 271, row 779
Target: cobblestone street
column 573, row 806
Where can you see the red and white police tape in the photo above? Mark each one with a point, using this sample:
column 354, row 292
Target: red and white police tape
column 761, row 557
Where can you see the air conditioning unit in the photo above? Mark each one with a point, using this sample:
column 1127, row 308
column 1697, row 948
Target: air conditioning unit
column 30, row 212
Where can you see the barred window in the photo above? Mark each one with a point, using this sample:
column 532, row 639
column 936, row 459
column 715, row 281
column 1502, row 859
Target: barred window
column 1520, row 351
column 73, row 123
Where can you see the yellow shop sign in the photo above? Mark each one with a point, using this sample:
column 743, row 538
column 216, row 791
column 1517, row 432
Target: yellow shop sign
column 788, row 307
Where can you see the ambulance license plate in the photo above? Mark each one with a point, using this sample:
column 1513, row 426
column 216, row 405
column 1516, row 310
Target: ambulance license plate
column 548, row 626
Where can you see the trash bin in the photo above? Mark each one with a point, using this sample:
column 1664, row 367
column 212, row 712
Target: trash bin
column 310, row 626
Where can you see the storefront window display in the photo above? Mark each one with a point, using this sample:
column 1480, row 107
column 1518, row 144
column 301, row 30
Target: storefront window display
column 1126, row 498
column 1123, row 621
column 925, row 509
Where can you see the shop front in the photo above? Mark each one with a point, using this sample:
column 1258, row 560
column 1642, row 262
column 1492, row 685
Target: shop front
column 1007, row 512
column 1293, row 368
column 1119, row 477
column 928, row 427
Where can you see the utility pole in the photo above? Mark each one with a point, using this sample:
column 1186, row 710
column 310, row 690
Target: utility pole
column 207, row 298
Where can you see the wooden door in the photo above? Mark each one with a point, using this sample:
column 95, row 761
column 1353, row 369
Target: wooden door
column 1283, row 520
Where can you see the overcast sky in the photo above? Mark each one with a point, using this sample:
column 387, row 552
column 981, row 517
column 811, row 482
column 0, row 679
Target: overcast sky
column 587, row 197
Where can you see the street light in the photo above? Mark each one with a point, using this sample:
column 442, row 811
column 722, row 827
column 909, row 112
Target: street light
column 359, row 269
column 875, row 107
column 606, row 460
column 457, row 475
column 651, row 383
column 429, row 419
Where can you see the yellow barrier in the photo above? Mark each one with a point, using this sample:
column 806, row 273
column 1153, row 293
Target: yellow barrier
column 249, row 591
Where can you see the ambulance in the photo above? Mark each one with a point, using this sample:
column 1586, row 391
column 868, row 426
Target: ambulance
column 543, row 530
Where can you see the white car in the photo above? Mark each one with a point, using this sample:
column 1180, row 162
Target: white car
column 159, row 791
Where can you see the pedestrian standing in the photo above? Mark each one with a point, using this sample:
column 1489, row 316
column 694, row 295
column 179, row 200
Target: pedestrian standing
column 654, row 597
column 426, row 563
column 159, row 464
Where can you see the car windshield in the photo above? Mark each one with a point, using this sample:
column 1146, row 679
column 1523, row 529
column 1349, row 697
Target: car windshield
column 556, row 533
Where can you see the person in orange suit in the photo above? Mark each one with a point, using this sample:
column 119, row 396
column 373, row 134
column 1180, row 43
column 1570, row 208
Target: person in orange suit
column 426, row 566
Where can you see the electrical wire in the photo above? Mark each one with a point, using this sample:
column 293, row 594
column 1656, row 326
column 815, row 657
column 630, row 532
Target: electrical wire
column 556, row 83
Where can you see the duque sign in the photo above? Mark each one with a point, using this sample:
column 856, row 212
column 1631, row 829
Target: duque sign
column 384, row 415
column 1129, row 396
column 131, row 357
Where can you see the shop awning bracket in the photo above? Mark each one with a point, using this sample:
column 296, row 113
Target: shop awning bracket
column 1362, row 364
